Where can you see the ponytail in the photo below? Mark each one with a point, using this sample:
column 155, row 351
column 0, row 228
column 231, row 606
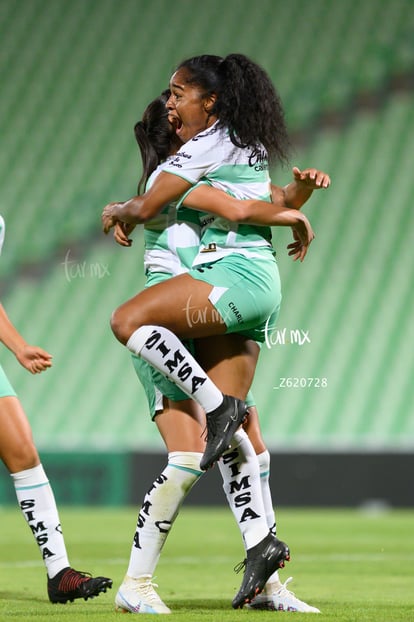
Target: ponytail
column 154, row 136
column 250, row 107
column 149, row 156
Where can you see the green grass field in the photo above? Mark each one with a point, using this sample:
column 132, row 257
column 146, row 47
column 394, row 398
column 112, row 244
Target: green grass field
column 352, row 565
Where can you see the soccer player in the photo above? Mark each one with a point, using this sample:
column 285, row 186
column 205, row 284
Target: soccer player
column 34, row 493
column 171, row 242
column 235, row 279
column 232, row 119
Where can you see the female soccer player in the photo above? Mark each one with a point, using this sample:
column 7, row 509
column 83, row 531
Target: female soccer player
column 235, row 284
column 171, row 243
column 232, row 114
column 34, row 493
column 197, row 110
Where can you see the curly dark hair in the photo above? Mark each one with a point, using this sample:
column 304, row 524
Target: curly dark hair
column 247, row 102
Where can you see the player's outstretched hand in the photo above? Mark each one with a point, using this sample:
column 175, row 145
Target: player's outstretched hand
column 34, row 359
column 312, row 178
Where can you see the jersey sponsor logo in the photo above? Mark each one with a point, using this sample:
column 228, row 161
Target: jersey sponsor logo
column 258, row 159
column 176, row 161
column 236, row 312
column 207, row 221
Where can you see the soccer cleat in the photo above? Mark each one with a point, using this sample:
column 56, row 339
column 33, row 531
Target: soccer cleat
column 262, row 561
column 70, row 584
column 280, row 599
column 222, row 423
column 139, row 596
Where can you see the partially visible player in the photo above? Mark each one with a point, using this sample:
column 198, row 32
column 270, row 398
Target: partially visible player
column 34, row 493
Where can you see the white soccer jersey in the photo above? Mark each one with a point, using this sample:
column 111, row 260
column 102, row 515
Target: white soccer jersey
column 172, row 238
column 2, row 232
column 211, row 157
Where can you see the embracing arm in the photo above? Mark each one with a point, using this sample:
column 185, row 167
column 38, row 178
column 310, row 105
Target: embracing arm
column 215, row 201
column 292, row 196
column 139, row 209
column 249, row 211
column 298, row 191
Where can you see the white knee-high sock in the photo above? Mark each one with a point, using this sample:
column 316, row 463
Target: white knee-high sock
column 239, row 469
column 38, row 506
column 164, row 351
column 264, row 466
column 160, row 509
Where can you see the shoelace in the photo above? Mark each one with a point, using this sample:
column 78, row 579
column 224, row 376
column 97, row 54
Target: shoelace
column 240, row 566
column 204, row 434
column 284, row 590
column 147, row 590
column 72, row 579
column 210, row 433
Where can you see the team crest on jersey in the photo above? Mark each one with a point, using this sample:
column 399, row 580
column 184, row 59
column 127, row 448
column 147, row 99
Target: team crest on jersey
column 210, row 248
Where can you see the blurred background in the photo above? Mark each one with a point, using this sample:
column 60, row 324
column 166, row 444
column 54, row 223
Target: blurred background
column 334, row 385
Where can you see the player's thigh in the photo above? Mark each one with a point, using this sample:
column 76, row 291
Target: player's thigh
column 180, row 304
column 17, row 449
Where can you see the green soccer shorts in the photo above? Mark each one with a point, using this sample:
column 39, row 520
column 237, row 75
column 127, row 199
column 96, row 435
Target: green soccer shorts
column 6, row 390
column 246, row 292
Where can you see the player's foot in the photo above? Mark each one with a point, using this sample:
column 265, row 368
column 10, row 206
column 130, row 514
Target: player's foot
column 262, row 561
column 279, row 598
column 222, row 423
column 69, row 584
column 139, row 596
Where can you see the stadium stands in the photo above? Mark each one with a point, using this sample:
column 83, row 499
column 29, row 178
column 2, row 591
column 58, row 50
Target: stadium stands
column 77, row 75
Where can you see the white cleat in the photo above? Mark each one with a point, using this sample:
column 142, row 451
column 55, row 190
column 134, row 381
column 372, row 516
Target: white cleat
column 280, row 599
column 139, row 596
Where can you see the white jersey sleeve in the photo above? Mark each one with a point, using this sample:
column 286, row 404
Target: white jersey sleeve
column 2, row 232
column 198, row 157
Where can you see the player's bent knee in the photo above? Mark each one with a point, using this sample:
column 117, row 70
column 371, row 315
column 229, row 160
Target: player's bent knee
column 125, row 320
column 119, row 326
column 21, row 459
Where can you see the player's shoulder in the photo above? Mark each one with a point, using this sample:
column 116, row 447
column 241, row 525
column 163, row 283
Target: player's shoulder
column 211, row 134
